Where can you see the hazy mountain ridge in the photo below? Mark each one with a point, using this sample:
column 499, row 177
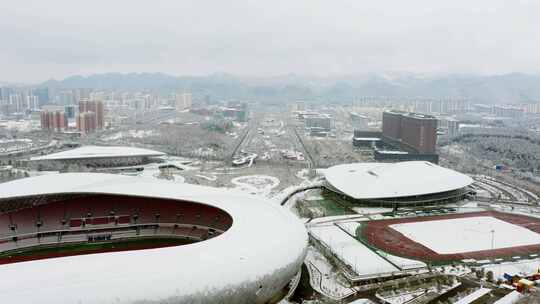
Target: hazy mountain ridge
column 507, row 88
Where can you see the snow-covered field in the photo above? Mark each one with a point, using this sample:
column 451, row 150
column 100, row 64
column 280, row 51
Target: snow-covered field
column 467, row 234
column 361, row 259
column 256, row 184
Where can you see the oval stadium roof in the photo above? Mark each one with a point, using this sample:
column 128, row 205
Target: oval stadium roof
column 87, row 152
column 393, row 180
column 262, row 250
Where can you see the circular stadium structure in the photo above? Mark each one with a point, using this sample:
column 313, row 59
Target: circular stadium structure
column 98, row 156
column 397, row 184
column 101, row 238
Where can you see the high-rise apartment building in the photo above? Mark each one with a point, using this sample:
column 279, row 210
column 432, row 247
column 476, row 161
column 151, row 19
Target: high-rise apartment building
column 96, row 107
column 32, row 102
column 54, row 120
column 86, row 122
column 183, row 101
column 417, row 132
column 70, row 111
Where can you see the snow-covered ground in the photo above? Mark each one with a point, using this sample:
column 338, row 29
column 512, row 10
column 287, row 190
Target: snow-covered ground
column 519, row 195
column 497, row 193
column 497, row 187
column 371, row 210
column 407, row 296
column 130, row 134
column 530, row 193
column 336, row 218
column 522, row 268
column 206, row 177
column 20, row 125
column 458, row 270
column 38, row 173
column 152, row 171
column 467, row 234
column 323, row 277
column 361, row 259
column 5, row 141
column 256, row 184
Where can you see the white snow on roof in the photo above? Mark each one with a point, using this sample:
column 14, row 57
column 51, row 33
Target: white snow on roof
column 99, row 152
column 362, row 301
column 264, row 246
column 392, row 180
column 368, row 138
column 474, row 296
column 510, row 298
column 361, row 259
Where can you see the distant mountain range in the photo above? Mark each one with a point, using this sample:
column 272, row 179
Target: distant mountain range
column 507, row 88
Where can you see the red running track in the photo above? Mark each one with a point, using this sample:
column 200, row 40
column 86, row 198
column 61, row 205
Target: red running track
column 379, row 234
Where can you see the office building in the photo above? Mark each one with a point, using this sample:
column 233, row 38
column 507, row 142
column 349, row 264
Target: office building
column 415, row 132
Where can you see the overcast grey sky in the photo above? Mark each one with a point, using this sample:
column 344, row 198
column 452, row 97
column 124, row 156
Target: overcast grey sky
column 57, row 38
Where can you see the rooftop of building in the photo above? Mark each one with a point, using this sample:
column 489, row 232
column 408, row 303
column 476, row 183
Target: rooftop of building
column 394, row 180
column 88, row 152
column 411, row 114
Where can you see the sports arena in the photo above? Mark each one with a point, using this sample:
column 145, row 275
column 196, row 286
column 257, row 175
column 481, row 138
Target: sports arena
column 411, row 183
column 101, row 238
column 97, row 157
column 456, row 237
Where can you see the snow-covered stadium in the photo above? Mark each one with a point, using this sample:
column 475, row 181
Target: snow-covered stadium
column 100, row 238
column 397, row 184
column 98, row 156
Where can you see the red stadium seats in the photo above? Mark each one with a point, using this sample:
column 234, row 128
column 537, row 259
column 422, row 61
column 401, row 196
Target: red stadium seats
column 73, row 219
column 25, row 220
column 5, row 224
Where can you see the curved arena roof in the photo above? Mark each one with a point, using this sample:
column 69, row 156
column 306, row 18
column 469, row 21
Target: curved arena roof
column 249, row 263
column 88, row 152
column 393, row 180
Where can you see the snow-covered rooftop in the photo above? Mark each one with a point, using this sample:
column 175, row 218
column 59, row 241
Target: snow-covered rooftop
column 99, row 152
column 393, row 180
column 364, row 261
column 474, row 296
column 265, row 246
